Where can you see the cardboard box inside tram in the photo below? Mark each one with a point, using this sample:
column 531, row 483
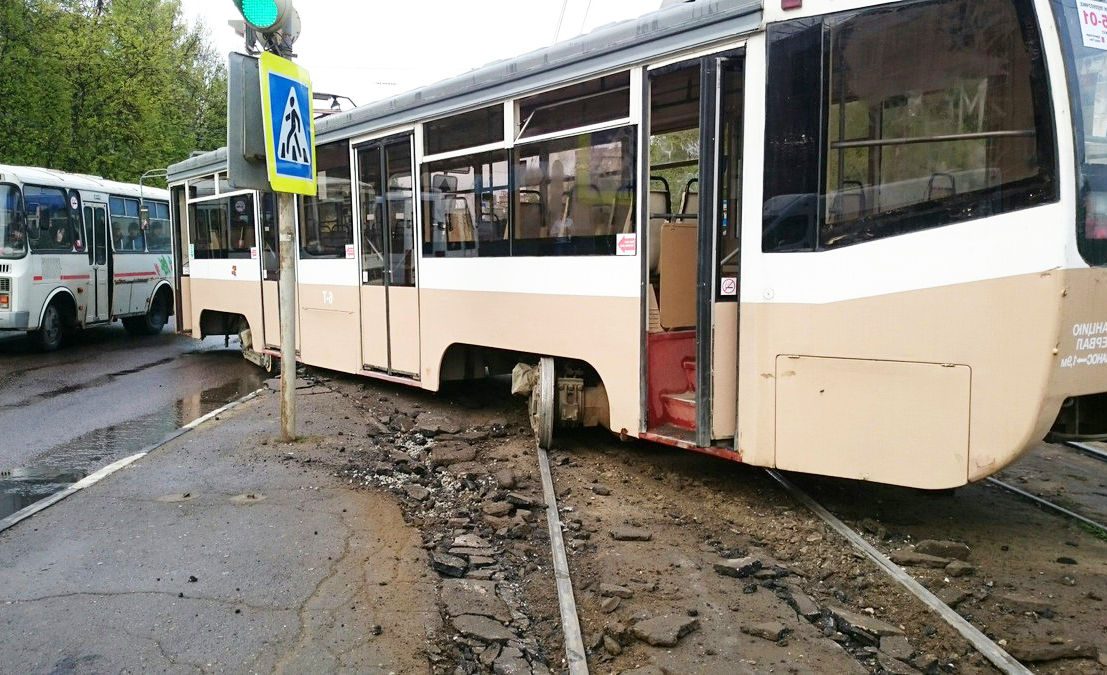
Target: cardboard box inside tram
column 79, row 251
column 658, row 237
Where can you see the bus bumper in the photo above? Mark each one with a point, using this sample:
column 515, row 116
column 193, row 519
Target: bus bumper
column 14, row 320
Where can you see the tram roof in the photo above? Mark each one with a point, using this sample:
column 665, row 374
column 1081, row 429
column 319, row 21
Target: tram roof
column 668, row 31
column 35, row 175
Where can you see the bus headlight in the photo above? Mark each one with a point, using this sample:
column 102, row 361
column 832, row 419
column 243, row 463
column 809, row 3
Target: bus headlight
column 1095, row 222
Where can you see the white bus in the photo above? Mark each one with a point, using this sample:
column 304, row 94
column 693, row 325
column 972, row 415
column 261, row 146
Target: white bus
column 858, row 238
column 78, row 251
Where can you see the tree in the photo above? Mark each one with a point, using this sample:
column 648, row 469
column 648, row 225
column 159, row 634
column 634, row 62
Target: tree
column 108, row 87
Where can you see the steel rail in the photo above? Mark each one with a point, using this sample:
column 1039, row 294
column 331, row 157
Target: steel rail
column 989, row 649
column 1093, row 452
column 575, row 653
column 1046, row 503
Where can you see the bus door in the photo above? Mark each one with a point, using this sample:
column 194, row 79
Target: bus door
column 270, row 271
column 99, row 259
column 389, row 298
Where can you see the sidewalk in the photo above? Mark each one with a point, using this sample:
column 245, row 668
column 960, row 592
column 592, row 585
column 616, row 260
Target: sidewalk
column 218, row 553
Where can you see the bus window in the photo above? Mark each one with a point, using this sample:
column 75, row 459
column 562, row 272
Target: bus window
column 13, row 236
column 157, row 237
column 126, row 229
column 934, row 113
column 49, row 223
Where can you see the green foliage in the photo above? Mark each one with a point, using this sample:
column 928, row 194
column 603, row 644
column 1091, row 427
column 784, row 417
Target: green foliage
column 107, row 87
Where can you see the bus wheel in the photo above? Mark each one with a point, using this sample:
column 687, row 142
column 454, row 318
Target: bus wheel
column 49, row 335
column 542, row 403
column 154, row 320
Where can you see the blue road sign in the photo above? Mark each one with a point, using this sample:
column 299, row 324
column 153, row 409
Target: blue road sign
column 289, row 126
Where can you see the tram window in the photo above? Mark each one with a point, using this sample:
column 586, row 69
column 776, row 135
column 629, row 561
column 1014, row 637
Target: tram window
column 49, row 223
column 934, row 113
column 574, row 195
column 201, row 187
column 126, row 229
column 604, row 99
column 327, row 220
column 242, row 236
column 465, row 206
column 467, row 130
column 157, row 235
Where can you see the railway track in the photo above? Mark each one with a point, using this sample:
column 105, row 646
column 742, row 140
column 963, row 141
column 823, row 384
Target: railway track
column 1085, row 449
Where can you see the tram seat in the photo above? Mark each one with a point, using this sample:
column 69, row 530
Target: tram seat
column 459, row 222
column 690, row 201
column 622, row 213
column 529, row 214
column 660, row 202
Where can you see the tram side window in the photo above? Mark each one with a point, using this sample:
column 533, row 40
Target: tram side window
column 50, row 226
column 327, row 220
column 467, row 130
column 934, row 113
column 242, row 236
column 126, row 229
column 603, row 99
column 574, row 195
column 466, row 205
column 222, row 229
column 157, row 238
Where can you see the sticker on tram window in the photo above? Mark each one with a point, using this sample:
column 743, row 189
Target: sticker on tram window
column 349, row 251
column 73, row 202
column 253, row 253
column 626, row 244
column 728, row 286
column 192, row 251
column 1093, row 23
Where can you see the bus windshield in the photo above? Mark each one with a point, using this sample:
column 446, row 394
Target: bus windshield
column 13, row 236
column 1084, row 25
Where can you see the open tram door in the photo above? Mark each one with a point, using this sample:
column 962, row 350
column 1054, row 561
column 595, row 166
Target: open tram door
column 692, row 261
column 270, row 271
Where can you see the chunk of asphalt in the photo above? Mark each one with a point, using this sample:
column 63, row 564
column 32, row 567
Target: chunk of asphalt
column 630, row 534
column 482, row 628
column 664, row 631
column 771, row 630
column 448, row 565
column 944, row 549
column 738, row 568
column 908, row 558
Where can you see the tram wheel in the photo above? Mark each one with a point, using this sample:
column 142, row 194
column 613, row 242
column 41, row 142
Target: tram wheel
column 542, row 403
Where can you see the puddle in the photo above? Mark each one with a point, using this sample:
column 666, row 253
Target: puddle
column 59, row 467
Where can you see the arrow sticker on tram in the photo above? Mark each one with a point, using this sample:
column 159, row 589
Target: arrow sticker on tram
column 626, row 244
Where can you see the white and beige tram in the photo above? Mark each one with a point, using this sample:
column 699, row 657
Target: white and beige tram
column 844, row 237
column 78, row 251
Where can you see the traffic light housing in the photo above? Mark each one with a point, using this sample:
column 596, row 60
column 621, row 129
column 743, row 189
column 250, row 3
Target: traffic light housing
column 276, row 23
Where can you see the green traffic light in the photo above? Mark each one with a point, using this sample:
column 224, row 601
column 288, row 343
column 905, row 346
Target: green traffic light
column 260, row 13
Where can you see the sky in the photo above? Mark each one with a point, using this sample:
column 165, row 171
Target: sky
column 369, row 50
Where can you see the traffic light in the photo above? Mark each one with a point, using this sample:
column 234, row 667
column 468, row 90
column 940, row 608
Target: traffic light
column 276, row 23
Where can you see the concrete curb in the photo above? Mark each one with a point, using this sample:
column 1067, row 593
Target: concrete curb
column 43, row 504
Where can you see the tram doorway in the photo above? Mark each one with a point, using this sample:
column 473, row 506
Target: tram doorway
column 389, row 297
column 692, row 249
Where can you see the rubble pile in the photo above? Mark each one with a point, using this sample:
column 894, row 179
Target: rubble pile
column 482, row 531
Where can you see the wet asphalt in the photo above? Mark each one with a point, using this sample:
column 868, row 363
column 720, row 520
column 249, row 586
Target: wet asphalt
column 105, row 395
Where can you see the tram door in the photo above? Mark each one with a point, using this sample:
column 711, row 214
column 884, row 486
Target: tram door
column 99, row 259
column 389, row 299
column 270, row 271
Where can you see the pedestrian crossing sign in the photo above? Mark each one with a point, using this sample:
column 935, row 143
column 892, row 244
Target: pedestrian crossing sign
column 286, row 101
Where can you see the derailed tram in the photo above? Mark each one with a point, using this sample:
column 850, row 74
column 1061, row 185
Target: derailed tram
column 842, row 237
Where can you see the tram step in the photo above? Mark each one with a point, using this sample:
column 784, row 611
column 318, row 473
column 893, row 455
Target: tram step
column 680, row 409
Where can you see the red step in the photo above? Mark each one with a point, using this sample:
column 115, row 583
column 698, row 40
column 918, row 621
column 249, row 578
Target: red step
column 680, row 409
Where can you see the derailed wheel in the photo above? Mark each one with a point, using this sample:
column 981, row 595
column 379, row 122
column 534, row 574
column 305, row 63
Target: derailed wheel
column 542, row 403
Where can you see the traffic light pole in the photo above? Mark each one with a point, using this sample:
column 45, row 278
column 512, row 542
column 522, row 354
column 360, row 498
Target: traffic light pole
column 286, row 216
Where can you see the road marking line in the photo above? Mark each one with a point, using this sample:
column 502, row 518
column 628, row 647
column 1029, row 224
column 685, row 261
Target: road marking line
column 989, row 649
column 570, row 624
column 92, row 479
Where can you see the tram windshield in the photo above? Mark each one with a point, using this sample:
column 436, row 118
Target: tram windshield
column 1084, row 24
column 13, row 234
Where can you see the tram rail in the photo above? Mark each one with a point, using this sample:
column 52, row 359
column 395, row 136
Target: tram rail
column 1088, row 449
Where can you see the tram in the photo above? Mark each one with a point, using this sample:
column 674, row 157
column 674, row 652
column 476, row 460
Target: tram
column 843, row 237
column 78, row 251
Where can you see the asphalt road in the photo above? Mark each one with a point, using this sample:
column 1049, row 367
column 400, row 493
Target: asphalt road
column 103, row 396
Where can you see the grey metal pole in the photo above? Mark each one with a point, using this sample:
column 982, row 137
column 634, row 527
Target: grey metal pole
column 286, row 210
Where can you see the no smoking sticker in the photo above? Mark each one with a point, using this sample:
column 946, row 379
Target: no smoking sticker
column 728, row 286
